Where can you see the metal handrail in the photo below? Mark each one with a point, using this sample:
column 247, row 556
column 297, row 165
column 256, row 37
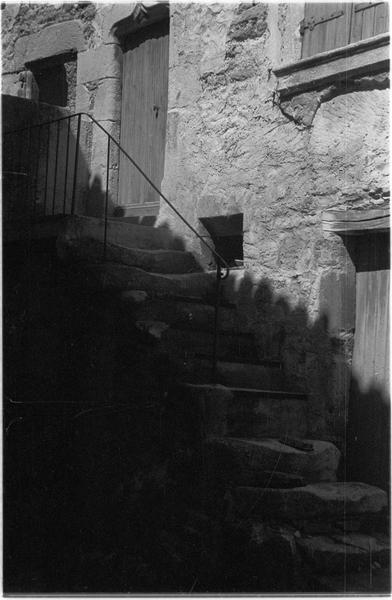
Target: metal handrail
column 217, row 256
column 219, row 260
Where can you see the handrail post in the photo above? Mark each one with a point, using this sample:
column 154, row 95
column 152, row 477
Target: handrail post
column 55, row 167
column 216, row 320
column 46, row 169
column 105, row 231
column 36, row 174
column 76, row 165
column 66, row 167
column 28, row 192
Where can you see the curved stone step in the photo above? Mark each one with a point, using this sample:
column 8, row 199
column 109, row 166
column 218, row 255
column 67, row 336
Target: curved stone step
column 258, row 413
column 121, row 232
column 317, row 500
column 253, row 462
column 113, row 276
column 218, row 408
column 152, row 260
column 365, row 582
column 184, row 313
column 345, row 553
column 267, row 375
column 191, row 344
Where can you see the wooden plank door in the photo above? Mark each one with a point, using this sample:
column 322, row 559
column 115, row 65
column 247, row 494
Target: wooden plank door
column 369, row 436
column 144, row 115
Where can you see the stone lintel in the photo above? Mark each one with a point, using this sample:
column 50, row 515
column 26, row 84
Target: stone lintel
column 355, row 222
column 54, row 40
column 357, row 59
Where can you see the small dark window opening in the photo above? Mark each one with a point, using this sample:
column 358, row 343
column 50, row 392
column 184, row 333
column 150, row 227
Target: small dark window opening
column 56, row 79
column 228, row 237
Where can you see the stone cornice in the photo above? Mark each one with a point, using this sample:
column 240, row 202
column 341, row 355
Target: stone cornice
column 326, row 68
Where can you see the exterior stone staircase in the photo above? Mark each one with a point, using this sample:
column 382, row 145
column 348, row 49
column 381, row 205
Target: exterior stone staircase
column 274, row 492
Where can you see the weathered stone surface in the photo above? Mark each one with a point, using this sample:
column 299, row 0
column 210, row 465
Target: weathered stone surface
column 231, row 463
column 107, row 103
column 335, row 500
column 50, row 41
column 262, row 549
column 249, row 23
column 245, row 461
column 123, row 277
column 134, row 296
column 302, row 108
column 156, row 261
column 104, row 61
column 252, row 375
column 256, row 415
column 190, row 315
column 207, row 403
column 281, row 176
column 365, row 582
column 155, row 328
column 119, row 232
column 337, row 554
column 191, row 344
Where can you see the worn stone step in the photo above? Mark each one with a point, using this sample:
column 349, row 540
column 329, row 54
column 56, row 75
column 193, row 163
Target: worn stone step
column 257, row 413
column 317, row 500
column 191, row 344
column 217, row 407
column 267, row 376
column 245, row 462
column 121, row 233
column 345, row 553
column 118, row 277
column 157, row 261
column 185, row 313
column 366, row 582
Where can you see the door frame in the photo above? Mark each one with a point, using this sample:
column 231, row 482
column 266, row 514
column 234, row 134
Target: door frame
column 353, row 227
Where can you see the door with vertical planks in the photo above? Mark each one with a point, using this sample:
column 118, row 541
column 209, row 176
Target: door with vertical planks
column 143, row 116
column 369, row 423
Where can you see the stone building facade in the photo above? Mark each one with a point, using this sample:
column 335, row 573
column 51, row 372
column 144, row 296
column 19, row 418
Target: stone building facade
column 251, row 129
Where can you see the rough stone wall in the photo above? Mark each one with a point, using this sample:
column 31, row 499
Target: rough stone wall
column 231, row 149
column 34, row 32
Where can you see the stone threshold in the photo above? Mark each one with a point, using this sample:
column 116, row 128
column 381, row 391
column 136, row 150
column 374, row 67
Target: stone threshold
column 360, row 58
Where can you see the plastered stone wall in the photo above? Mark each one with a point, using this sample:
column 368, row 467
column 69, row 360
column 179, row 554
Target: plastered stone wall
column 231, row 149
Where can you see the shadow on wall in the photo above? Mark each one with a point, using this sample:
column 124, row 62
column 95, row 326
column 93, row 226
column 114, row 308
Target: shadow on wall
column 98, row 480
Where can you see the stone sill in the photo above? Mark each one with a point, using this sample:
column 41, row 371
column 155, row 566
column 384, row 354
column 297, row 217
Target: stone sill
column 360, row 58
column 356, row 222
